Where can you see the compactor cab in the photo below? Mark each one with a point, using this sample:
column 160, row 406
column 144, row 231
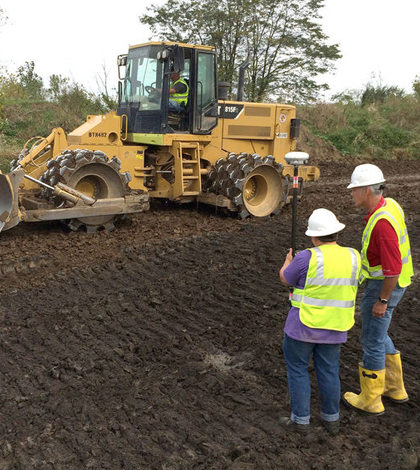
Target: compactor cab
column 144, row 92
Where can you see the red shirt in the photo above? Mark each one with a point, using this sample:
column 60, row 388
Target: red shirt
column 384, row 248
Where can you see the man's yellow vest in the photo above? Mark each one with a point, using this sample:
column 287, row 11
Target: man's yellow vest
column 181, row 98
column 328, row 299
column 394, row 214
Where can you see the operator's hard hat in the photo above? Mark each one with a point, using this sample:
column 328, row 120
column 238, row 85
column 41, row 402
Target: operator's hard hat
column 366, row 175
column 323, row 222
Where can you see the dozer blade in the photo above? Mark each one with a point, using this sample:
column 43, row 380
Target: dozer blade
column 6, row 200
column 9, row 210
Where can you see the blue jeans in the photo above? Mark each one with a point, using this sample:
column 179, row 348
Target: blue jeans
column 374, row 337
column 175, row 107
column 326, row 361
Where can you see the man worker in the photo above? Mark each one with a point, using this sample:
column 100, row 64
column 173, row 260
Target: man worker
column 387, row 267
column 178, row 93
column 325, row 280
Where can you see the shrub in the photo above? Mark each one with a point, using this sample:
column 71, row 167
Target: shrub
column 387, row 125
column 379, row 93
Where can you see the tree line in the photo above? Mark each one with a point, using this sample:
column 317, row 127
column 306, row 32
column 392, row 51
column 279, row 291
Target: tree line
column 27, row 85
column 286, row 51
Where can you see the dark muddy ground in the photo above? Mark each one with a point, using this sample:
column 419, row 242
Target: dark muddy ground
column 158, row 346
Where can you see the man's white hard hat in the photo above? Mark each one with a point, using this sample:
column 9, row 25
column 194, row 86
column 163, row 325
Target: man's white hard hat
column 323, row 222
column 366, row 175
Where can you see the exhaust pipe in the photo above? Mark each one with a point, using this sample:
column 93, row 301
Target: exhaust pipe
column 241, row 80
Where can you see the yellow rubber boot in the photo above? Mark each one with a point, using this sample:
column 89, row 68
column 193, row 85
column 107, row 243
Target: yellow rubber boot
column 394, row 384
column 372, row 387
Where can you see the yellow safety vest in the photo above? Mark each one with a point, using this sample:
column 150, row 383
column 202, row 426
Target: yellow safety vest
column 181, row 98
column 394, row 214
column 328, row 299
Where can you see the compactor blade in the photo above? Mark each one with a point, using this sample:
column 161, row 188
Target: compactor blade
column 6, row 200
column 9, row 210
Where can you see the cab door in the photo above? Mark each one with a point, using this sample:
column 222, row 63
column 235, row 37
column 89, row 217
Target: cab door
column 205, row 93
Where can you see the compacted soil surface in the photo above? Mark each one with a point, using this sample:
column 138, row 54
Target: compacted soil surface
column 159, row 345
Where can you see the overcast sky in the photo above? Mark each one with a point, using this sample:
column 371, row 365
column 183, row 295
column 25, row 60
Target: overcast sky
column 377, row 38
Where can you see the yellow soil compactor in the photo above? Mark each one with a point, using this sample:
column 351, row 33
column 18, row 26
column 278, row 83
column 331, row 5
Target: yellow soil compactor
column 216, row 151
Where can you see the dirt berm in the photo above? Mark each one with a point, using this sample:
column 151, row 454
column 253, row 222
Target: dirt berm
column 158, row 346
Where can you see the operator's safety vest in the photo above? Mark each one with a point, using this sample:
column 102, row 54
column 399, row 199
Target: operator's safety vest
column 394, row 214
column 181, row 98
column 328, row 299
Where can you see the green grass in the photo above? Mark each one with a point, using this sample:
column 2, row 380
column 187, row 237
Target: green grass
column 388, row 129
column 9, row 149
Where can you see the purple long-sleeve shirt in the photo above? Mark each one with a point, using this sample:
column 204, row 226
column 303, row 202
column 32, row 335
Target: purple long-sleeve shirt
column 295, row 275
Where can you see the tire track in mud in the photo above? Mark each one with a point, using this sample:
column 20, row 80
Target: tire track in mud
column 160, row 347
column 171, row 325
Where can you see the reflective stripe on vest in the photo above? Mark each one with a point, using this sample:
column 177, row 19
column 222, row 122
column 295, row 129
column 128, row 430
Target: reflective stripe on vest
column 328, row 299
column 323, row 302
column 393, row 213
column 320, row 280
column 181, row 98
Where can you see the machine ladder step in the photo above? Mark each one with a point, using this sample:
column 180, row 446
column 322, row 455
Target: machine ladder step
column 187, row 169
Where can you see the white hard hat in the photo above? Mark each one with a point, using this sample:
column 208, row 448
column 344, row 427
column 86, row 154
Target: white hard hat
column 366, row 175
column 323, row 222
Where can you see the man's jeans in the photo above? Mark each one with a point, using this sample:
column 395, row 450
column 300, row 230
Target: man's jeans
column 326, row 361
column 175, row 107
column 374, row 338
